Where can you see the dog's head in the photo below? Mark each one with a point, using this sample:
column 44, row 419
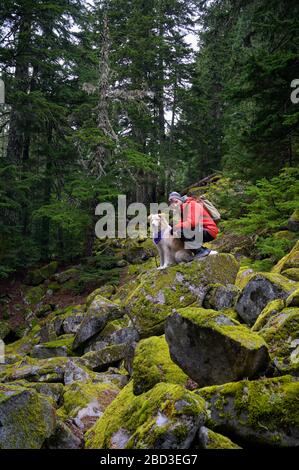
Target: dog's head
column 158, row 222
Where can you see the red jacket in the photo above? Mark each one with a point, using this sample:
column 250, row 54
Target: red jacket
column 194, row 213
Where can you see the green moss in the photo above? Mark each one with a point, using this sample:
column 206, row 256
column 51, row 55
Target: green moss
column 106, row 291
column 293, row 299
column 105, row 357
column 38, row 276
column 78, row 395
column 27, row 418
column 213, row 440
column 136, row 417
column 4, row 329
column 289, row 261
column 279, row 333
column 35, row 294
column 292, row 273
column 206, row 318
column 158, row 292
column 64, row 340
column 284, row 235
column 25, row 345
column 259, row 410
column 34, row 370
column 152, row 364
column 271, row 309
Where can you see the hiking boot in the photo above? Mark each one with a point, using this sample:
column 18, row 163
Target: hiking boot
column 202, row 253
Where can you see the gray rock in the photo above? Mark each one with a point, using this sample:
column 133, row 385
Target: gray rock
column 293, row 222
column 259, row 291
column 219, row 297
column 102, row 359
column 26, row 418
column 125, row 335
column 263, row 412
column 166, row 417
column 211, row 440
column 212, row 349
column 98, row 314
column 66, row 436
column 75, row 373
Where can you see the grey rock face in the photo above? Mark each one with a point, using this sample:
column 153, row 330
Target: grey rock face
column 213, row 349
column 259, row 291
column 26, row 417
column 99, row 313
column 263, row 412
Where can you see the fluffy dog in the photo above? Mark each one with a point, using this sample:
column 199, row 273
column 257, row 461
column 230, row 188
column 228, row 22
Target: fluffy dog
column 171, row 249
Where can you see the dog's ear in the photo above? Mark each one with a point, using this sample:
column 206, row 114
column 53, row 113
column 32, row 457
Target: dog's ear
column 150, row 217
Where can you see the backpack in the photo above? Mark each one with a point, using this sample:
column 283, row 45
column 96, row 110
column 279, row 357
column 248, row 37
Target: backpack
column 214, row 213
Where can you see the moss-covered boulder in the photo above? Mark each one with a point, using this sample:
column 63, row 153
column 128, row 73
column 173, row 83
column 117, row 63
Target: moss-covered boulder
column 24, row 345
column 65, row 436
column 62, row 347
column 139, row 254
column 258, row 412
column 292, row 273
column 115, row 332
column 289, row 261
column 104, row 358
column 4, row 329
column 209, row 439
column 99, row 313
column 34, row 370
column 52, row 391
column 67, row 275
column 37, row 276
column 158, row 292
column 35, row 294
column 84, row 403
column 244, row 275
column 271, row 309
column 60, row 322
column 107, row 291
column 259, row 291
column 212, row 348
column 219, row 297
column 152, row 364
column 293, row 222
column 72, row 318
column 166, row 417
column 26, row 417
column 293, row 299
column 281, row 332
column 75, row 371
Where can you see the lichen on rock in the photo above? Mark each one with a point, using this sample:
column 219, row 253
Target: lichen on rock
column 159, row 292
column 166, row 417
column 258, row 412
column 26, row 417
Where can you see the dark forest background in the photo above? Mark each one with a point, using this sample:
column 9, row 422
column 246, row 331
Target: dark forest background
column 109, row 98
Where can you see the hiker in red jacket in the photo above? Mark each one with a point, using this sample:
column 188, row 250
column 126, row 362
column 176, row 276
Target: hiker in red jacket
column 193, row 217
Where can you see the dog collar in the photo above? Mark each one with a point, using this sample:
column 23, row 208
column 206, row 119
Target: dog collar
column 158, row 238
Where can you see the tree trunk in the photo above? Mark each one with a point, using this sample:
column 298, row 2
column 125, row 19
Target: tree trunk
column 15, row 145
